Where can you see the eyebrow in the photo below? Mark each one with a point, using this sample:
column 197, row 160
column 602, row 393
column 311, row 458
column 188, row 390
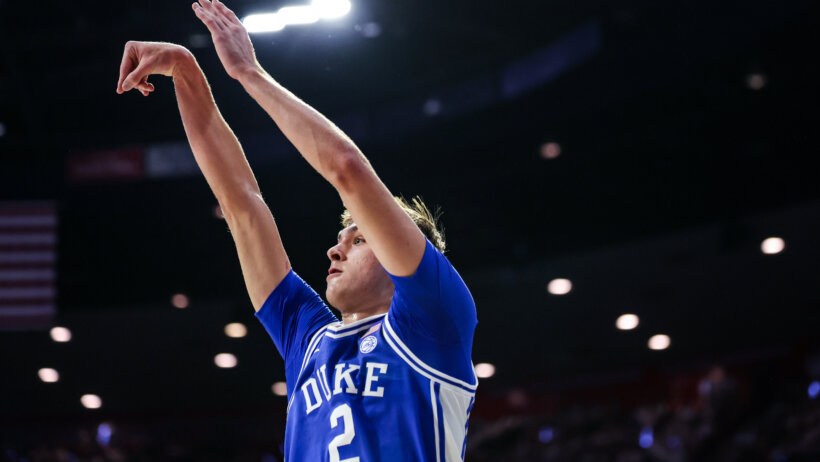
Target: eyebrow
column 352, row 229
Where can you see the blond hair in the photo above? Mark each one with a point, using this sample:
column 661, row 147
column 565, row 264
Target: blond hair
column 421, row 215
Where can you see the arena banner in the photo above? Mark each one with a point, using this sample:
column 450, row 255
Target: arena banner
column 28, row 243
column 110, row 165
column 168, row 160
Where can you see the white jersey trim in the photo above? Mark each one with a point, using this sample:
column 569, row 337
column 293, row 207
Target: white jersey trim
column 448, row 385
column 314, row 342
column 441, row 376
column 434, row 404
column 364, row 325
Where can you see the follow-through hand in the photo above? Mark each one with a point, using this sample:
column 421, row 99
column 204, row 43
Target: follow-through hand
column 233, row 45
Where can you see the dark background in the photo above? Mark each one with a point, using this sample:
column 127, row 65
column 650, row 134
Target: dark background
column 672, row 172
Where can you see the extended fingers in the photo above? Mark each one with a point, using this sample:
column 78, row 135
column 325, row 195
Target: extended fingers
column 209, row 15
column 229, row 15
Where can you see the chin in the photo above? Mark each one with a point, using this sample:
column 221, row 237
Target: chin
column 332, row 297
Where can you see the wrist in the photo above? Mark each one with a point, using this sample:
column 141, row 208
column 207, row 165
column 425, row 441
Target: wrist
column 249, row 73
column 184, row 62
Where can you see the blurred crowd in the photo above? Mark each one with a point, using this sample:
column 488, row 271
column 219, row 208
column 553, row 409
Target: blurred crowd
column 721, row 425
column 85, row 445
column 724, row 423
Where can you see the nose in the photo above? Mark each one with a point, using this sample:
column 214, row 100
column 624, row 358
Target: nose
column 335, row 253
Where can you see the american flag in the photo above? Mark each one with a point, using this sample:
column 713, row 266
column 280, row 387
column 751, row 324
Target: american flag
column 28, row 257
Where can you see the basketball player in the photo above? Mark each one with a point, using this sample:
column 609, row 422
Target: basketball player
column 393, row 380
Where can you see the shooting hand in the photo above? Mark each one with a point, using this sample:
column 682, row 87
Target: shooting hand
column 142, row 59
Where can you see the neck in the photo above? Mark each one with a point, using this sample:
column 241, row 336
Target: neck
column 353, row 316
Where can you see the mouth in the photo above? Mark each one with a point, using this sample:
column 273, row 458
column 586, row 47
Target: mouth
column 333, row 272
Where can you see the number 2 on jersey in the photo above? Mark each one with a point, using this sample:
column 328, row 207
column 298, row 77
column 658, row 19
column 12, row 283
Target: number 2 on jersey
column 345, row 438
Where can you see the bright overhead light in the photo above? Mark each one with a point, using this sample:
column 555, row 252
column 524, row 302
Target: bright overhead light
column 236, row 330
column 331, row 9
column 772, row 245
column 303, row 14
column 60, row 334
column 559, row 286
column 298, row 14
column 659, row 342
column 280, row 389
column 48, row 375
column 484, row 370
column 627, row 322
column 91, row 401
column 267, row 22
column 225, row 360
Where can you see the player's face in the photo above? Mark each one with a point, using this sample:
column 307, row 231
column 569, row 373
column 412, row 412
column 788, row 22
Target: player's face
column 356, row 281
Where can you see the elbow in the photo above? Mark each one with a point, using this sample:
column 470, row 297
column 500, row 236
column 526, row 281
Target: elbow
column 240, row 205
column 348, row 170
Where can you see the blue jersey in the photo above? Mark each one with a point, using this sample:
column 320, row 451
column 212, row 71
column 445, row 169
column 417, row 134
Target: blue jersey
column 393, row 387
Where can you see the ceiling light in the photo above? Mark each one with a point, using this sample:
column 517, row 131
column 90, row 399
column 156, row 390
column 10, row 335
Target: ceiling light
column 559, row 286
column 236, row 330
column 91, row 401
column 627, row 322
column 659, row 342
column 225, row 360
column 756, row 81
column 48, row 375
column 550, row 150
column 772, row 245
column 484, row 370
column 179, row 301
column 280, row 389
column 60, row 334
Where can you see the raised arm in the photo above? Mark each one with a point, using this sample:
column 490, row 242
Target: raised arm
column 396, row 241
column 219, row 156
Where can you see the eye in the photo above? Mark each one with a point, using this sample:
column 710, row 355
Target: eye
column 358, row 240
